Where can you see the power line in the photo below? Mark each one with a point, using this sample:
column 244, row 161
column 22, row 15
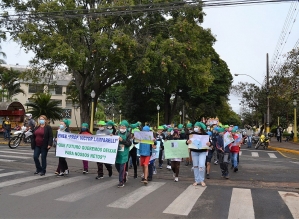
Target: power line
column 125, row 10
column 284, row 34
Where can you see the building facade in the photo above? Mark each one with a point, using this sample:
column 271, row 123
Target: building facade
column 58, row 90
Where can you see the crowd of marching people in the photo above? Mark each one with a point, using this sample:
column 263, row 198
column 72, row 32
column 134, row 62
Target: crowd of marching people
column 129, row 156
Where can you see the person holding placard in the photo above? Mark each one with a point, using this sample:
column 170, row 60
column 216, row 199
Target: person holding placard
column 122, row 155
column 85, row 131
column 199, row 155
column 145, row 151
column 176, row 162
column 62, row 164
column 223, row 153
column 160, row 137
column 103, row 131
column 133, row 153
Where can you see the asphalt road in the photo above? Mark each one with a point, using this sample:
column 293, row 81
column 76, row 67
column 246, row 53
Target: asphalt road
column 266, row 186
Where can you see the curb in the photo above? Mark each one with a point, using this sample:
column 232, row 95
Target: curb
column 284, row 150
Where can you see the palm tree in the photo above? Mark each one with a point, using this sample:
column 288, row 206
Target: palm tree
column 3, row 55
column 10, row 85
column 42, row 104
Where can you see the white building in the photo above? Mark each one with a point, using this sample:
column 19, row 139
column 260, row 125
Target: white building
column 58, row 92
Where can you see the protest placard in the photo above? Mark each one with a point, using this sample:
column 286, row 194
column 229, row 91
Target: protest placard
column 87, row 147
column 198, row 142
column 144, row 137
column 227, row 138
column 175, row 149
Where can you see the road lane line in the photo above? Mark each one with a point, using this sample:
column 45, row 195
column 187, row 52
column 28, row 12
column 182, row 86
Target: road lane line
column 255, row 154
column 12, row 173
column 15, row 152
column 86, row 192
column 48, row 186
column 21, row 180
column 272, row 155
column 132, row 198
column 241, row 204
column 292, row 201
column 4, row 160
column 184, row 203
column 17, row 157
column 1, row 169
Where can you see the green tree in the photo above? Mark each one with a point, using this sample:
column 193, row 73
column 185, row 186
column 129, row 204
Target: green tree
column 10, row 85
column 42, row 104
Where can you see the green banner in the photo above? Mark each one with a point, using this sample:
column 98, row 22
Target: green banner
column 175, row 149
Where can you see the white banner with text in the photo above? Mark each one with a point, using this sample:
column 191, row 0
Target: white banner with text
column 87, row 147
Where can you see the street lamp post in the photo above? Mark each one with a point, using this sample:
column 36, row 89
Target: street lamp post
column 295, row 120
column 158, row 122
column 113, row 117
column 119, row 116
column 180, row 117
column 268, row 103
column 92, row 94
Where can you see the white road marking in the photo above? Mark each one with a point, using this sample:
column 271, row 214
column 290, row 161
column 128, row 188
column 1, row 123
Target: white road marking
column 48, row 186
column 292, row 201
column 241, row 205
column 240, row 153
column 15, row 152
column 4, row 160
column 133, row 197
column 86, row 192
column 17, row 157
column 21, row 180
column 11, row 173
column 272, row 155
column 1, row 169
column 184, row 203
column 255, row 154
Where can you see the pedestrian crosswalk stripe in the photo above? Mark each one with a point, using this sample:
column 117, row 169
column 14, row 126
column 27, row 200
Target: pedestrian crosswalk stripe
column 16, row 152
column 48, row 186
column 255, row 154
column 132, row 198
column 17, row 157
column 292, row 201
column 21, row 180
column 240, row 153
column 184, row 203
column 4, row 160
column 241, row 204
column 272, row 155
column 11, row 173
column 1, row 169
column 86, row 192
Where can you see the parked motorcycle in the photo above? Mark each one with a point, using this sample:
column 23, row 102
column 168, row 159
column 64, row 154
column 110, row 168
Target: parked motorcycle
column 18, row 136
column 263, row 142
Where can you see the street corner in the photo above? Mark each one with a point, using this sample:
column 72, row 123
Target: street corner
column 286, row 150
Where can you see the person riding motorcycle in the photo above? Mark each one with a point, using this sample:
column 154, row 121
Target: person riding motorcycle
column 30, row 123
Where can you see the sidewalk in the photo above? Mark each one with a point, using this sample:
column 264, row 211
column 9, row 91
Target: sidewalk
column 289, row 147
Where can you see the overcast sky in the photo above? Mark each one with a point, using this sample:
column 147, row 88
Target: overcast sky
column 244, row 35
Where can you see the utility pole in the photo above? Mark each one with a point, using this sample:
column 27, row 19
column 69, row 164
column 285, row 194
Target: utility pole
column 268, row 102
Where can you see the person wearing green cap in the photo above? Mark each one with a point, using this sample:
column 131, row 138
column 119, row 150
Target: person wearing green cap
column 188, row 131
column 103, row 131
column 199, row 155
column 122, row 155
column 223, row 153
column 63, row 168
column 111, row 127
column 85, row 131
column 133, row 158
column 160, row 137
